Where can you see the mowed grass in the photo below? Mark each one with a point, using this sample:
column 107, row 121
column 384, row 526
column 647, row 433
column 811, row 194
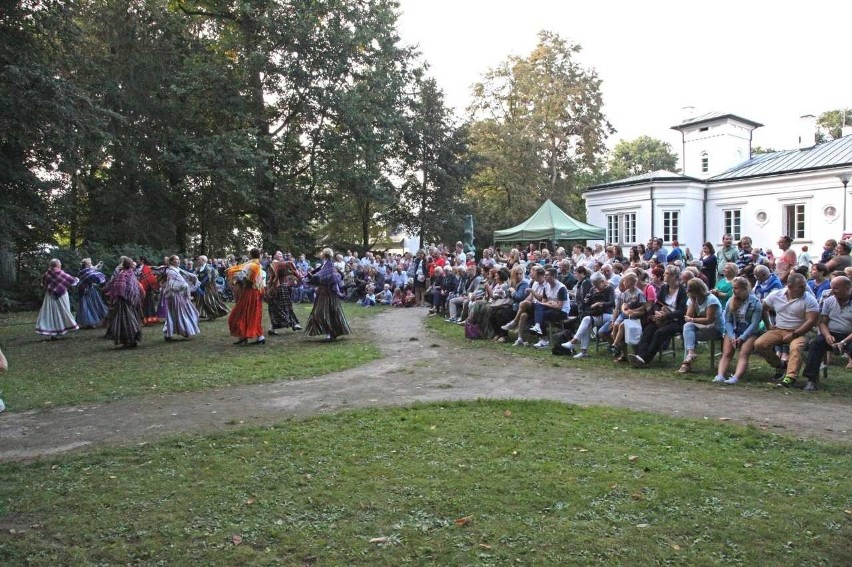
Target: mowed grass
column 484, row 483
column 84, row 367
column 838, row 383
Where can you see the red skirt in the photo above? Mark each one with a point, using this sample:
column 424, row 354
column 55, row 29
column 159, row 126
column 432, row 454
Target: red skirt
column 246, row 318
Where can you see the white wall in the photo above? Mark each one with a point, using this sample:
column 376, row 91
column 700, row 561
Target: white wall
column 727, row 144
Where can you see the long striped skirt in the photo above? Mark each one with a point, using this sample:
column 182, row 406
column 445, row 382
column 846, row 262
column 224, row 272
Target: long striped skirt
column 125, row 327
column 210, row 304
column 327, row 317
column 54, row 317
column 92, row 310
column 181, row 317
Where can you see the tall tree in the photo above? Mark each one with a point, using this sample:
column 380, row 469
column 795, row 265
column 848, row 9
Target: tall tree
column 436, row 165
column 539, row 128
column 641, row 155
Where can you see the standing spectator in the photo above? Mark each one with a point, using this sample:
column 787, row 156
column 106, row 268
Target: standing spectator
column 709, row 264
column 727, row 253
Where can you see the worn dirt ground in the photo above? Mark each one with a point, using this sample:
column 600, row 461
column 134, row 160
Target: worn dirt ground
column 417, row 367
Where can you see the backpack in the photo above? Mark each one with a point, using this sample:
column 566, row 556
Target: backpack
column 471, row 330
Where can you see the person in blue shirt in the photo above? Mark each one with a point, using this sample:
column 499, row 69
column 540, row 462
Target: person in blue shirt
column 766, row 282
column 676, row 253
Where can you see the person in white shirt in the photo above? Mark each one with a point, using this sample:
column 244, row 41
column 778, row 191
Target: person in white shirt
column 796, row 313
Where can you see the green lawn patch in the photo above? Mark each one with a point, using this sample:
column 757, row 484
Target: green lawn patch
column 84, row 367
column 485, row 483
column 838, row 383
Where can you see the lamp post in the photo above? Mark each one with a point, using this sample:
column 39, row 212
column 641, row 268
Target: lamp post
column 844, row 178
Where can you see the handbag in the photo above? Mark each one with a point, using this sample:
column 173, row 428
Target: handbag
column 632, row 331
column 471, row 330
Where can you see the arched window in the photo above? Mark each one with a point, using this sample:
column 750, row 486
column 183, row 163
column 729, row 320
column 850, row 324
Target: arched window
column 705, row 162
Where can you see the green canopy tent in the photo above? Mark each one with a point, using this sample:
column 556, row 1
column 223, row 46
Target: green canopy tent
column 550, row 223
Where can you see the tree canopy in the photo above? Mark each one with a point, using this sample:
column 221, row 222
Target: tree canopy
column 641, row 155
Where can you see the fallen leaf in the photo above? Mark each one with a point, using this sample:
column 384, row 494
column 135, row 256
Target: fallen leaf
column 724, row 419
column 676, row 547
column 584, row 450
column 632, row 458
column 464, row 521
column 748, row 465
column 507, row 413
column 614, row 486
column 637, row 496
column 236, row 539
column 250, row 501
column 113, row 477
column 484, row 546
column 379, row 540
column 848, row 512
column 642, row 525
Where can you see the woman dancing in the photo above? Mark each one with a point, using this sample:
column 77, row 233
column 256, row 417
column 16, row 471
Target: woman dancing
column 327, row 317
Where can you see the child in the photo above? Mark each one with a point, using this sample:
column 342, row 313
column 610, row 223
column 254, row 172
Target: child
column 804, row 258
column 369, row 297
column 386, row 296
column 409, row 299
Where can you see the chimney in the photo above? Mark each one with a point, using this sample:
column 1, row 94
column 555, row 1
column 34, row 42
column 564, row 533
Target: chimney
column 807, row 131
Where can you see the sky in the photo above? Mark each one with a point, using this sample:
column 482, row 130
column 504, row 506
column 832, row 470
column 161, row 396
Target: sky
column 770, row 62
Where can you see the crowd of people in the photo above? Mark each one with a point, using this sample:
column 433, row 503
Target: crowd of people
column 179, row 294
column 787, row 307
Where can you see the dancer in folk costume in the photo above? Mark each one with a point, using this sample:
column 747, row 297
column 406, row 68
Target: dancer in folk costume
column 207, row 299
column 248, row 281
column 54, row 317
column 327, row 317
column 125, row 294
column 282, row 275
column 93, row 310
column 181, row 315
column 151, row 286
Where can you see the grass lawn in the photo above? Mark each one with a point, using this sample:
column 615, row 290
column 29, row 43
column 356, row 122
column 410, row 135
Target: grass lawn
column 84, row 367
column 838, row 383
column 485, row 483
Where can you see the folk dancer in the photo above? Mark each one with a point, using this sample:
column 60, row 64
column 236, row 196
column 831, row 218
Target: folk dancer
column 327, row 317
column 283, row 275
column 248, row 282
column 208, row 301
column 125, row 294
column 151, row 286
column 93, row 310
column 181, row 315
column 54, row 317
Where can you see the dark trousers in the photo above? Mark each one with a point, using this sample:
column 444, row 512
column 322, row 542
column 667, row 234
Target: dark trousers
column 654, row 337
column 545, row 315
column 816, row 350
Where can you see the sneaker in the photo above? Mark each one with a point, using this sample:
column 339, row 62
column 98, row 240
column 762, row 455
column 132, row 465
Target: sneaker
column 543, row 343
column 811, row 386
column 536, row 329
column 509, row 326
column 581, row 354
column 567, row 346
column 520, row 342
column 297, row 327
column 636, row 360
column 731, row 381
column 450, row 319
column 780, row 371
column 786, row 382
column 719, row 379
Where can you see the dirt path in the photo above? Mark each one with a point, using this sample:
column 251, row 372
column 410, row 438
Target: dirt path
column 417, row 367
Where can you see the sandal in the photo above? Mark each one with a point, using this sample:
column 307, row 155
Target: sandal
column 620, row 358
column 685, row 368
column 690, row 358
column 501, row 340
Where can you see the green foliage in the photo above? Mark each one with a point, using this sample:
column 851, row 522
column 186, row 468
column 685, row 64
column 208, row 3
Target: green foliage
column 642, row 155
column 539, row 127
column 831, row 123
column 483, row 483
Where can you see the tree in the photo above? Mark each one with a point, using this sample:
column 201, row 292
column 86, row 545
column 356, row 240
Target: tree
column 831, row 124
column 436, row 166
column 642, row 155
column 538, row 129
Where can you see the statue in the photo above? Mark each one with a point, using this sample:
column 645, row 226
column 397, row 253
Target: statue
column 467, row 237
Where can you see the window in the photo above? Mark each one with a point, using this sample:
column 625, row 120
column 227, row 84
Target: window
column 621, row 228
column 613, row 235
column 705, row 162
column 732, row 223
column 704, row 129
column 629, row 228
column 670, row 225
column 794, row 221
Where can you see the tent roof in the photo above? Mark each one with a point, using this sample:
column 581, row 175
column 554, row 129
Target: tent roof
column 550, row 222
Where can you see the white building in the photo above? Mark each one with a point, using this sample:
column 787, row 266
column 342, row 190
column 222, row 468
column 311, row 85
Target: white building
column 724, row 189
